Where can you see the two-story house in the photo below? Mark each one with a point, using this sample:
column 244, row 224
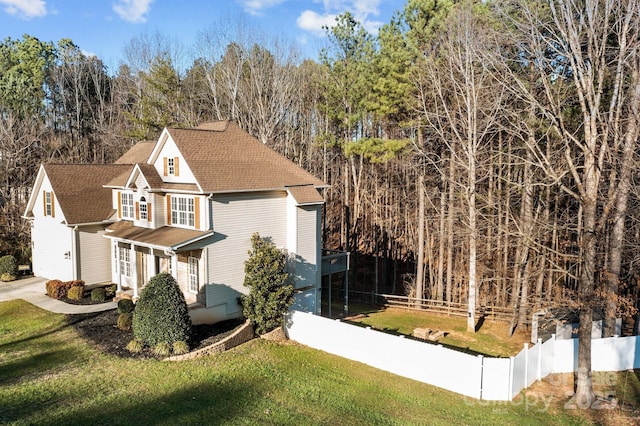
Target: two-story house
column 186, row 205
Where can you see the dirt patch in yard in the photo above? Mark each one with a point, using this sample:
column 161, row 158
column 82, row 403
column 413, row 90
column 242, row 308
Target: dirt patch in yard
column 101, row 331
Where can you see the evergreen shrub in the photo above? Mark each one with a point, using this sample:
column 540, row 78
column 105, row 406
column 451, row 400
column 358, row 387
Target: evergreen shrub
column 98, row 294
column 75, row 292
column 124, row 321
column 9, row 266
column 125, row 306
column 161, row 313
column 270, row 295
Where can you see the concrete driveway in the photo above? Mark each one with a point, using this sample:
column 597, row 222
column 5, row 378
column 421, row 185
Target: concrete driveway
column 32, row 290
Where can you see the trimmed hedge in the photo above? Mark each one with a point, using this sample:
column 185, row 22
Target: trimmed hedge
column 57, row 289
column 8, row 266
column 124, row 321
column 98, row 294
column 161, row 313
column 125, row 306
column 76, row 292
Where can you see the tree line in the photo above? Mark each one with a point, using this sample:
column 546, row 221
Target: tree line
column 491, row 146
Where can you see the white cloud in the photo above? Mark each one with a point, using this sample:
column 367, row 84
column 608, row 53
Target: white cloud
column 132, row 10
column 313, row 22
column 362, row 11
column 255, row 7
column 26, row 9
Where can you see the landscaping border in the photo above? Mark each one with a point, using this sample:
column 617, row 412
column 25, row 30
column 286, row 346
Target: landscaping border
column 243, row 334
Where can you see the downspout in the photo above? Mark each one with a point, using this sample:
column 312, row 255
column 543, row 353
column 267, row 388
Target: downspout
column 75, row 262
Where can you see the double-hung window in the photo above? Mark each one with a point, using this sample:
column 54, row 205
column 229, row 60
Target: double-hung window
column 126, row 204
column 125, row 261
column 193, row 274
column 182, row 211
column 48, row 203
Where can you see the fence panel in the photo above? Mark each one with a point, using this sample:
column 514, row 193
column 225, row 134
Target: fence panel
column 429, row 363
column 498, row 379
column 496, row 373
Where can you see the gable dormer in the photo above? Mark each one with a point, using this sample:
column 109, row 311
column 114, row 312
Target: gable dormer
column 169, row 161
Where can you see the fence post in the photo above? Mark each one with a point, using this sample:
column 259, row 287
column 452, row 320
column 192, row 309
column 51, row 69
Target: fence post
column 481, row 375
column 512, row 363
column 526, row 365
column 539, row 372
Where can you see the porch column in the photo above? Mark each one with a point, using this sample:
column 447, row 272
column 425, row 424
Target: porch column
column 134, row 270
column 174, row 266
column 117, row 267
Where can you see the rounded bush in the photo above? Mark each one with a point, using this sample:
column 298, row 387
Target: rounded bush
column 162, row 349
column 75, row 292
column 97, row 295
column 6, row 277
column 125, row 306
column 124, row 321
column 161, row 313
column 8, row 265
column 135, row 346
column 180, row 347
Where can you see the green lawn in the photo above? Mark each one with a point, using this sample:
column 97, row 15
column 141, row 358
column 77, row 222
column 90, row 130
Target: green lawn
column 49, row 376
column 491, row 339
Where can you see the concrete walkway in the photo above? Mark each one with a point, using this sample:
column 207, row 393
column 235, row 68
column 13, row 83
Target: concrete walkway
column 32, row 290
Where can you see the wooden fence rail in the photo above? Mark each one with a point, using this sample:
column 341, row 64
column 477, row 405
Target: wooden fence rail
column 495, row 313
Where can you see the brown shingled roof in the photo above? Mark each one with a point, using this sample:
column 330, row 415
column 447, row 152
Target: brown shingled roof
column 78, row 188
column 306, row 195
column 225, row 158
column 139, row 153
column 167, row 236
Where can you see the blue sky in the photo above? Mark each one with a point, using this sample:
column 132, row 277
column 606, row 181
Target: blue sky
column 104, row 27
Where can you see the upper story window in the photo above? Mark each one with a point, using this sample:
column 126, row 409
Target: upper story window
column 48, row 204
column 171, row 166
column 143, row 209
column 182, row 211
column 126, row 205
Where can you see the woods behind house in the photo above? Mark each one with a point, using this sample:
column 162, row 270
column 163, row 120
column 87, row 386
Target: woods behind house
column 477, row 153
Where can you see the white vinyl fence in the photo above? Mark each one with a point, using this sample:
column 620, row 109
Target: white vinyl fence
column 476, row 376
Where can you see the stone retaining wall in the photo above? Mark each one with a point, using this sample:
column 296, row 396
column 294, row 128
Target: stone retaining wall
column 243, row 334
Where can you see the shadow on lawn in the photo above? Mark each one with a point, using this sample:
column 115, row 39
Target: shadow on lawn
column 212, row 403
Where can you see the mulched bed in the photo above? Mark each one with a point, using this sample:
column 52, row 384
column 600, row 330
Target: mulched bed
column 100, row 330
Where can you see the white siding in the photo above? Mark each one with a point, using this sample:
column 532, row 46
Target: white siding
column 95, row 255
column 307, row 250
column 51, row 240
column 170, row 150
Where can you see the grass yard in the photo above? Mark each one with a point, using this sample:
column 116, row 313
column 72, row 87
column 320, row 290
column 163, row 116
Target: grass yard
column 50, row 376
column 491, row 339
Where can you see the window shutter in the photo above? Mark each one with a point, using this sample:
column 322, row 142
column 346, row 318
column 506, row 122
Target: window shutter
column 137, row 210
column 119, row 205
column 149, row 210
column 166, row 166
column 168, row 209
column 176, row 170
column 53, row 205
column 196, row 208
column 44, row 203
